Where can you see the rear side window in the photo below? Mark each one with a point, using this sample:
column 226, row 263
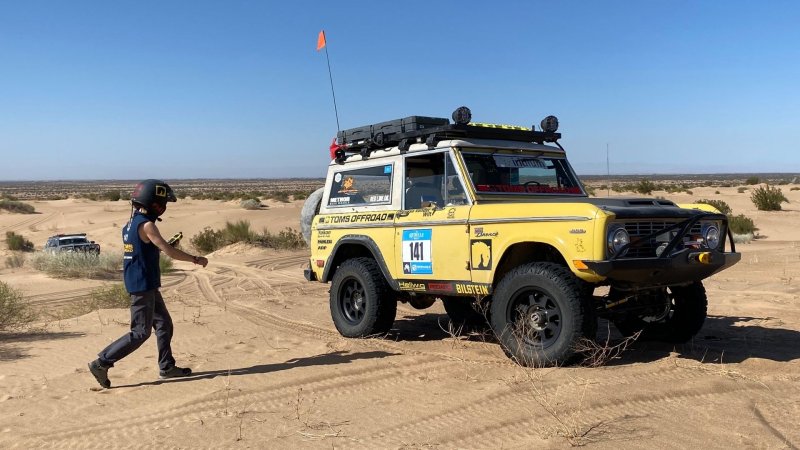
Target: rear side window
column 364, row 186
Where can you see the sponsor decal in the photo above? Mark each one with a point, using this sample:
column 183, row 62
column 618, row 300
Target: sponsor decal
column 471, row 288
column 412, row 286
column 325, row 233
column 161, row 191
column 579, row 245
column 440, row 287
column 451, row 213
column 127, row 248
column 322, row 247
column 480, row 233
column 481, row 254
column 416, row 246
column 325, row 241
column 577, row 231
column 356, row 218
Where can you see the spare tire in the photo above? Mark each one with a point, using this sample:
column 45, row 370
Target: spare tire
column 310, row 209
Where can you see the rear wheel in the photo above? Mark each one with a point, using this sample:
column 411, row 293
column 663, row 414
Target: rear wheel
column 681, row 312
column 361, row 302
column 539, row 314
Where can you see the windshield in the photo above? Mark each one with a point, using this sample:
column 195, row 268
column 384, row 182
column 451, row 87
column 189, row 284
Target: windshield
column 495, row 173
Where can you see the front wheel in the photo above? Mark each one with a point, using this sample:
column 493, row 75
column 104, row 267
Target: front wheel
column 540, row 315
column 361, row 301
column 681, row 313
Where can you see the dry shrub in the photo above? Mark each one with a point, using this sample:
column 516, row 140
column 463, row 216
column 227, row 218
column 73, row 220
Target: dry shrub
column 210, row 240
column 752, row 180
column 251, row 203
column 14, row 313
column 165, row 263
column 77, row 264
column 15, row 206
column 286, row 239
column 15, row 261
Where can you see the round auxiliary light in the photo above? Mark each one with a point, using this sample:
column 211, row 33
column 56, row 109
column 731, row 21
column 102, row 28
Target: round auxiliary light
column 711, row 236
column 617, row 238
column 550, row 124
column 462, row 115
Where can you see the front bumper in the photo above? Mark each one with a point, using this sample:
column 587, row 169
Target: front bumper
column 675, row 264
column 684, row 266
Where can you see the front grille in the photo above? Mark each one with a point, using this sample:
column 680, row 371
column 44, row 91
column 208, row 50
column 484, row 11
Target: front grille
column 639, row 229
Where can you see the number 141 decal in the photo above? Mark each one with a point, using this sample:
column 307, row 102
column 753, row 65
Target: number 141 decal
column 417, row 252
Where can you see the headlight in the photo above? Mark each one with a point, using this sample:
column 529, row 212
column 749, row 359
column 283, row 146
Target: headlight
column 617, row 238
column 711, row 236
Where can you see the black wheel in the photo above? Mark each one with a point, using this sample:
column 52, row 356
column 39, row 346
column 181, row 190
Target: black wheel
column 539, row 314
column 679, row 314
column 362, row 303
column 463, row 313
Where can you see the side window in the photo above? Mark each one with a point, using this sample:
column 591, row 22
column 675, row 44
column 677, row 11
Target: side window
column 432, row 179
column 365, row 186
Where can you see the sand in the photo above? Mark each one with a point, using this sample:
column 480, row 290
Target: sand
column 272, row 372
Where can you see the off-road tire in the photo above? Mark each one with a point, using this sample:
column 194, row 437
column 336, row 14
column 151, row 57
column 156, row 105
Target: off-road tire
column 361, row 301
column 687, row 313
column 557, row 313
column 463, row 315
column 310, row 209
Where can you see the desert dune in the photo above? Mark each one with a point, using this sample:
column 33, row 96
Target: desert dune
column 271, row 371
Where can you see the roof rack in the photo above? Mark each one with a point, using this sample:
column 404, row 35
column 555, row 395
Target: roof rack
column 430, row 130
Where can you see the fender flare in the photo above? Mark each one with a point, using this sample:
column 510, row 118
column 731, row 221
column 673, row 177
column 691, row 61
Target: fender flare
column 371, row 246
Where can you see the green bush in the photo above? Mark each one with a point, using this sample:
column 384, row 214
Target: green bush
column 794, row 188
column 741, row 224
column 113, row 196
column 645, row 187
column 109, row 296
column 238, row 232
column 767, row 198
column 741, row 189
column 77, row 264
column 287, row 239
column 15, row 261
column 16, row 207
column 752, row 180
column 208, row 240
column 719, row 204
column 165, row 263
column 14, row 313
column 17, row 242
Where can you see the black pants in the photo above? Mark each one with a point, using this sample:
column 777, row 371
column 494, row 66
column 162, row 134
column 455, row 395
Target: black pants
column 148, row 312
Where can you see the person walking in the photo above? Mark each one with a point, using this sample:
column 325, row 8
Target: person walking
column 142, row 244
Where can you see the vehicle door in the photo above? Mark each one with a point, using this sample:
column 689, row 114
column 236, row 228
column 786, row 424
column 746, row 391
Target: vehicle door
column 431, row 229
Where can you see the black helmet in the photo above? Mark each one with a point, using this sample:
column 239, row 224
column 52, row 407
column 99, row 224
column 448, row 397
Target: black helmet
column 153, row 195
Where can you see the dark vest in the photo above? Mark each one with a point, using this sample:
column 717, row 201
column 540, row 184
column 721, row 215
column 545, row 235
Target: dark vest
column 140, row 261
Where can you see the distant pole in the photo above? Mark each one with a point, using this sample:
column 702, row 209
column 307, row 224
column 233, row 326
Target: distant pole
column 608, row 173
column 322, row 43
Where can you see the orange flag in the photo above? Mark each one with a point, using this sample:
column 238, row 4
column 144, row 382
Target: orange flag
column 321, row 40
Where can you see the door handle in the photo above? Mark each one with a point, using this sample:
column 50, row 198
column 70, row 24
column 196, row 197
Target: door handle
column 403, row 213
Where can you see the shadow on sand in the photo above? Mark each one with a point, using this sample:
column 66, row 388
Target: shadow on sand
column 12, row 344
column 726, row 339
column 325, row 359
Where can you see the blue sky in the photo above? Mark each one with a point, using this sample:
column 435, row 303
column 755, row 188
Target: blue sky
column 236, row 89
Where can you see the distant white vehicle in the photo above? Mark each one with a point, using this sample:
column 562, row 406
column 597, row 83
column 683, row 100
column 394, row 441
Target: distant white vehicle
column 71, row 243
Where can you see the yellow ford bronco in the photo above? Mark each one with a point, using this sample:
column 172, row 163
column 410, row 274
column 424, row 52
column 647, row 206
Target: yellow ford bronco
column 492, row 220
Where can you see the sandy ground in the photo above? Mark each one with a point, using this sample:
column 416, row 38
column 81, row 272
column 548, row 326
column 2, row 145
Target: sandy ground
column 272, row 372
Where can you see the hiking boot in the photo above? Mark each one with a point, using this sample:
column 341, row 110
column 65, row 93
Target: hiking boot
column 174, row 372
column 100, row 373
